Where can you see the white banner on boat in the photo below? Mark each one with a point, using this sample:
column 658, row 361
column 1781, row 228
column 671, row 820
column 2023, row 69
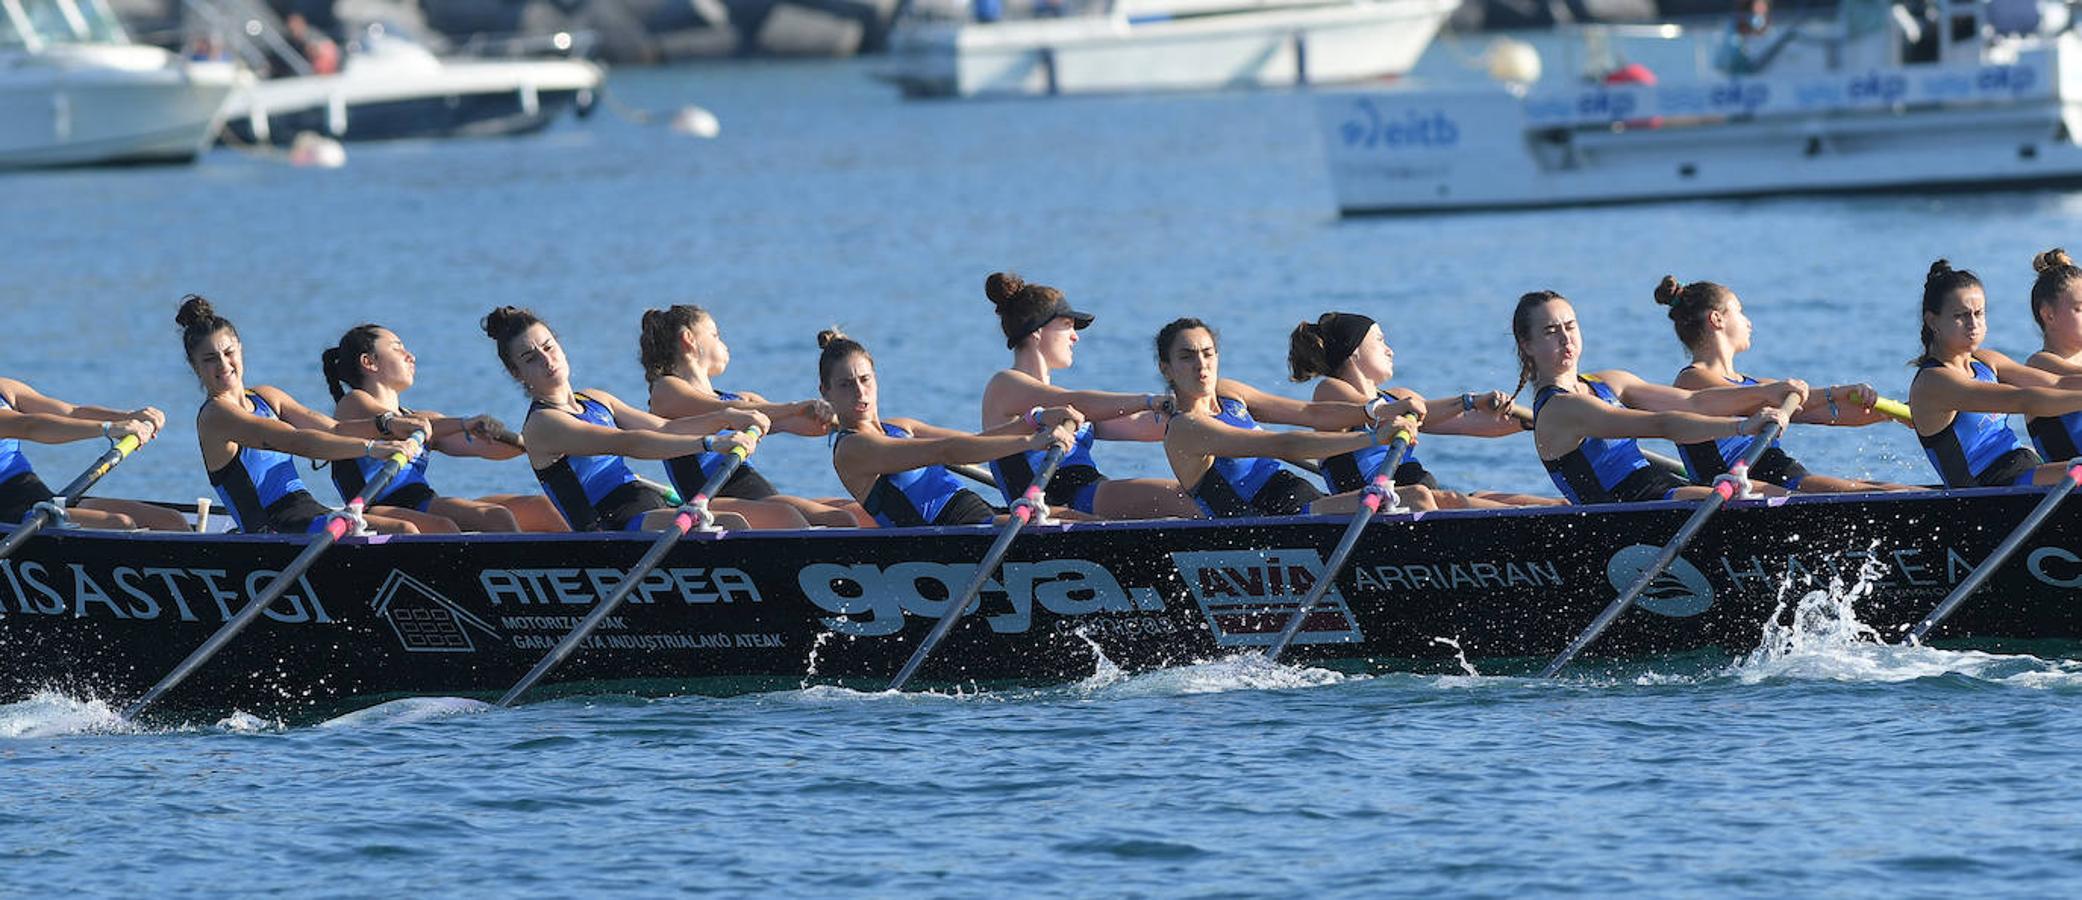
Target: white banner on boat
column 2031, row 78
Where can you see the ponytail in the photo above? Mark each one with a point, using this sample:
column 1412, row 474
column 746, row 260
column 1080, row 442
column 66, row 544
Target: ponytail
column 341, row 364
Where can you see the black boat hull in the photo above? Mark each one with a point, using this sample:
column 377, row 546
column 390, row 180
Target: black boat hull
column 102, row 614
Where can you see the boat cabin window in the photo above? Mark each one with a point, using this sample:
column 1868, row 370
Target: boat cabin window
column 37, row 22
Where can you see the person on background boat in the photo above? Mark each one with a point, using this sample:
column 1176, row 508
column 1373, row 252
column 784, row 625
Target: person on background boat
column 367, row 373
column 251, row 436
column 1585, row 425
column 1963, row 392
column 896, row 468
column 1231, row 465
column 682, row 349
column 576, row 440
column 1351, row 357
column 1041, row 331
column 1710, row 324
column 26, row 415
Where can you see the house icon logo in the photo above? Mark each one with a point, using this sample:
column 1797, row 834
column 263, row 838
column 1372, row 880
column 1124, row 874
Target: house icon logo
column 425, row 621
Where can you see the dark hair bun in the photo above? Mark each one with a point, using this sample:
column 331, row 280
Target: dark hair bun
column 194, row 309
column 1668, row 290
column 1002, row 286
column 505, row 322
column 2050, row 259
column 830, row 336
column 1939, row 269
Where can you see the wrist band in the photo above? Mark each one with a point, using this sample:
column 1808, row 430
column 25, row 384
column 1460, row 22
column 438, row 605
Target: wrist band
column 1829, row 394
column 708, row 443
column 105, row 427
column 1376, row 408
column 368, row 448
column 1149, row 402
column 1467, row 402
column 383, row 423
column 1034, row 418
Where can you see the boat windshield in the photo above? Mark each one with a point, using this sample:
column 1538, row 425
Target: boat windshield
column 39, row 22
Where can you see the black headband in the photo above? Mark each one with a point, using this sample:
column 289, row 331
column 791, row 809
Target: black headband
column 1060, row 309
column 1342, row 335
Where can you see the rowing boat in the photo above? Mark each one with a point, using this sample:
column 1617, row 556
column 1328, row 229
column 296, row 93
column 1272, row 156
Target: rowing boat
column 105, row 613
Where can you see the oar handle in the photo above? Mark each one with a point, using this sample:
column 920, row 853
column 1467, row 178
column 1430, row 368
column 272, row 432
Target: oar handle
column 1022, row 511
column 116, row 453
column 1892, row 409
column 392, row 465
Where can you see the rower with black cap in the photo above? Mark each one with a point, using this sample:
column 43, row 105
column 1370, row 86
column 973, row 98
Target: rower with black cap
column 1041, row 329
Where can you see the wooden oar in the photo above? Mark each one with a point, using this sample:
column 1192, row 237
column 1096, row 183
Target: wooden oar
column 1383, row 483
column 1724, row 488
column 977, row 474
column 42, row 515
column 2009, row 545
column 683, row 520
column 1021, row 513
column 336, row 526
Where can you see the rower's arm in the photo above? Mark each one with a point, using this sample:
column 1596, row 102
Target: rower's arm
column 29, row 400
column 673, row 397
column 2010, row 371
column 46, row 428
column 2053, row 364
column 552, row 433
column 1491, row 417
column 1325, row 415
column 1721, row 401
column 1942, row 392
column 1575, row 417
column 1207, row 436
column 1146, row 426
column 1012, row 393
column 875, row 454
column 227, row 421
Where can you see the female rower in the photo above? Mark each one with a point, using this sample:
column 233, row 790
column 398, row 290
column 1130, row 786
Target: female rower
column 1230, row 463
column 1963, row 391
column 1584, row 426
column 576, row 439
column 1348, row 352
column 2056, row 304
column 250, row 438
column 366, row 374
column 26, row 415
column 1041, row 331
column 682, row 349
column 896, row 467
column 1710, row 324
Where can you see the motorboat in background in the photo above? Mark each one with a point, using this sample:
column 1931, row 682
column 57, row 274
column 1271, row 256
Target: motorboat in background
column 1883, row 96
column 390, row 86
column 1158, row 45
column 74, row 90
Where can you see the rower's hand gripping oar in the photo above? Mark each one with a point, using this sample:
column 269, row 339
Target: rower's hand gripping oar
column 1724, row 488
column 52, row 511
column 1380, row 490
column 1022, row 511
column 336, row 526
column 2009, row 545
column 694, row 511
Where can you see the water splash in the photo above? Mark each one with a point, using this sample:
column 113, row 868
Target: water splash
column 407, row 711
column 1824, row 640
column 49, row 713
column 810, row 664
column 1105, row 673
column 1242, row 672
column 1459, row 656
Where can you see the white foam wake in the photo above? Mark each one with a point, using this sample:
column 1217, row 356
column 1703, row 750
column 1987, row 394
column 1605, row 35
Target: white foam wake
column 52, row 714
column 407, row 711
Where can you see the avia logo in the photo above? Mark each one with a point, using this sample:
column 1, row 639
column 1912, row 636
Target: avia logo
column 1248, row 596
column 425, row 621
column 1679, row 591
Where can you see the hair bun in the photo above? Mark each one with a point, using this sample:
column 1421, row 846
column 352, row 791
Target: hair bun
column 1668, row 291
column 194, row 309
column 498, row 324
column 829, row 336
column 1002, row 286
column 1939, row 269
column 2051, row 259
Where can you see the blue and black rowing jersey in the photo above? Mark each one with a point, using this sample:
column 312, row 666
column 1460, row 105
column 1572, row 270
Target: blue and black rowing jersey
column 928, row 495
column 1978, row 449
column 690, row 473
column 1712, row 459
column 262, row 490
column 1075, row 483
column 596, row 493
column 12, row 462
column 1604, row 470
column 1249, row 486
column 1350, row 471
column 408, row 489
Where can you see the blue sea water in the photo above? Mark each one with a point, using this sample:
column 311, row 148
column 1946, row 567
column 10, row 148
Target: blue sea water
column 1822, row 763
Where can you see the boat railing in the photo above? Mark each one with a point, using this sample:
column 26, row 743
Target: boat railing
column 248, row 30
column 574, row 44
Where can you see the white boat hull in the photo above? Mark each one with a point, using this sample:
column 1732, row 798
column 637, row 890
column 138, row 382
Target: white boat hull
column 1916, row 128
column 89, row 105
column 1272, row 47
column 418, row 98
